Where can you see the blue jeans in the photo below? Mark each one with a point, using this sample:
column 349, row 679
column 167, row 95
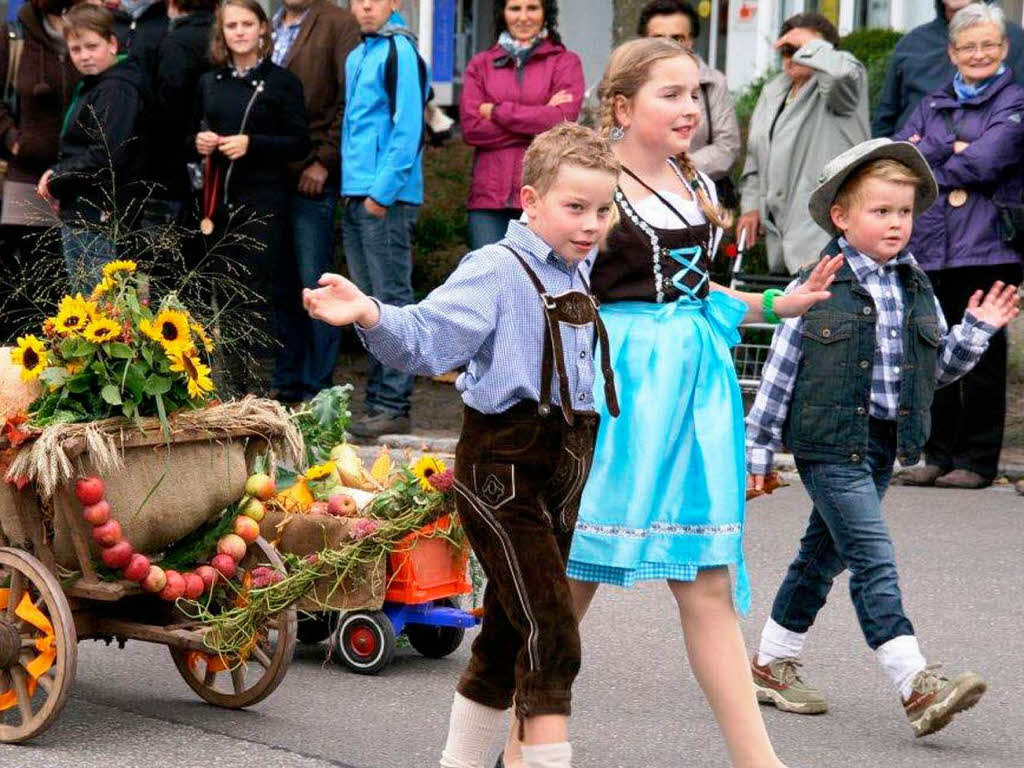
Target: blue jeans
column 488, row 226
column 85, row 253
column 847, row 530
column 309, row 351
column 379, row 256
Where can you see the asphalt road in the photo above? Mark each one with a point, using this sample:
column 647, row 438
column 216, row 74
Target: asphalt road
column 637, row 705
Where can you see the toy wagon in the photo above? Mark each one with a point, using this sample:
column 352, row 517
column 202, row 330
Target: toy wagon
column 52, row 595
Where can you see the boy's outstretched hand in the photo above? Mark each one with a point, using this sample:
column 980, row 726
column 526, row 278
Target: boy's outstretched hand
column 810, row 291
column 998, row 308
column 339, row 302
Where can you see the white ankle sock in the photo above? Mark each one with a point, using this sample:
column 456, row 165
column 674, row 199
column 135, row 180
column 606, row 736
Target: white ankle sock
column 777, row 642
column 901, row 658
column 548, row 755
column 472, row 729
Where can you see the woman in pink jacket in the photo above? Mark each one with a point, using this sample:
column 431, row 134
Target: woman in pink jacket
column 523, row 85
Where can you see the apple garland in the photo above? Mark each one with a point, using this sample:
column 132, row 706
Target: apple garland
column 117, row 552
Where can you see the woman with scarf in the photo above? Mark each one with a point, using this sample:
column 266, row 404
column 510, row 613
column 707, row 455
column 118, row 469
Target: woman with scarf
column 524, row 84
column 250, row 123
column 971, row 131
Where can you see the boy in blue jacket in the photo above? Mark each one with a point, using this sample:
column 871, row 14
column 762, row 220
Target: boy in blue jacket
column 382, row 181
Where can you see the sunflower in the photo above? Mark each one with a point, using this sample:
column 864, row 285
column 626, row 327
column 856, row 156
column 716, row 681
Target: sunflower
column 203, row 336
column 197, row 374
column 103, row 287
column 117, row 267
column 427, row 467
column 320, row 471
column 73, row 315
column 170, row 328
column 102, row 329
column 30, row 354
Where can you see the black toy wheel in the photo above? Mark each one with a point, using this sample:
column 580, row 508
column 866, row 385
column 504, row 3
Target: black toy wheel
column 315, row 627
column 364, row 641
column 436, row 642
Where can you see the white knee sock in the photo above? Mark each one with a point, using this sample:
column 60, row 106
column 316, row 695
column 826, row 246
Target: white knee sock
column 901, row 658
column 777, row 642
column 548, row 755
column 472, row 729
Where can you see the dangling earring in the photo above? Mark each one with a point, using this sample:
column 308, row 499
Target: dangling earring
column 618, row 133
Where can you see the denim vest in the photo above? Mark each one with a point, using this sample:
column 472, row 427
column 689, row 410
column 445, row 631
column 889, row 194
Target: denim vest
column 828, row 420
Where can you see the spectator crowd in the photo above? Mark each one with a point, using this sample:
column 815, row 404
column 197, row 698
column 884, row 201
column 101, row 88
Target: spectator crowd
column 221, row 117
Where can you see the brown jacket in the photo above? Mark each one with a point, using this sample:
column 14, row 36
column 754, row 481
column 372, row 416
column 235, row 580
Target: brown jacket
column 317, row 57
column 46, row 79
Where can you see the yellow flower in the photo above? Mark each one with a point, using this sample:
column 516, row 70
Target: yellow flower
column 117, row 267
column 30, row 354
column 170, row 328
column 74, row 366
column 320, row 471
column 197, row 374
column 427, row 467
column 73, row 315
column 203, row 337
column 102, row 329
column 103, row 287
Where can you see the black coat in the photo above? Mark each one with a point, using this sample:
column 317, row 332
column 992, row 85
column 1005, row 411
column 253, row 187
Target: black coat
column 278, row 131
column 140, row 36
column 184, row 57
column 103, row 129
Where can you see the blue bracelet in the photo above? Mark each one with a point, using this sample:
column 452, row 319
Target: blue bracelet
column 768, row 305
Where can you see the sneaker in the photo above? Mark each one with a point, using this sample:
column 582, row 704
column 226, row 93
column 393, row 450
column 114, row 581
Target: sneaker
column 935, row 699
column 926, row 475
column 779, row 683
column 962, row 478
column 377, row 423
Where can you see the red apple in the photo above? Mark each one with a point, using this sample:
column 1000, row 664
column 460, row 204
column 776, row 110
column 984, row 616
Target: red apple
column 117, row 555
column 96, row 514
column 260, row 486
column 208, row 575
column 155, row 580
column 137, row 568
column 318, row 508
column 247, row 528
column 232, row 545
column 174, row 588
column 342, row 505
column 89, row 490
column 108, row 534
column 254, row 508
column 194, row 585
column 224, row 565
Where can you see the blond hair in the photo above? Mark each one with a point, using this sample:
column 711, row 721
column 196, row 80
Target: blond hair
column 885, row 169
column 628, row 69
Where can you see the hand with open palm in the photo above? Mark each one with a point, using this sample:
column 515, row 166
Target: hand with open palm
column 340, row 302
column 810, row 291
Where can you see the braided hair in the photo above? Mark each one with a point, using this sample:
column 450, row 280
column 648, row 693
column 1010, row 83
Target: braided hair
column 629, row 67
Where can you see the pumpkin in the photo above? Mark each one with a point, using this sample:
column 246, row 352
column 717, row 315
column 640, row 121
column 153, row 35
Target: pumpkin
column 15, row 395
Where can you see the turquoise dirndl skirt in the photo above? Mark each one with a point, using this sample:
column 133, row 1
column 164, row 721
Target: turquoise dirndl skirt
column 667, row 490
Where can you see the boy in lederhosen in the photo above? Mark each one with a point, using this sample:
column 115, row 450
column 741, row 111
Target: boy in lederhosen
column 520, row 316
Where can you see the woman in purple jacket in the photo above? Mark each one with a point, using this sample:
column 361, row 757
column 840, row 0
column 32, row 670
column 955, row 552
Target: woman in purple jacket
column 972, row 133
column 523, row 85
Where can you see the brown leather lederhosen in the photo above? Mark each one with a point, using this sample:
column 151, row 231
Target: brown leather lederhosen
column 519, row 476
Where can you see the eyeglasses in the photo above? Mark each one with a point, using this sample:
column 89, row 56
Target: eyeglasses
column 972, row 48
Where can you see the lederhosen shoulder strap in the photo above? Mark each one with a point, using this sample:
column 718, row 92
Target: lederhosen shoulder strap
column 556, row 311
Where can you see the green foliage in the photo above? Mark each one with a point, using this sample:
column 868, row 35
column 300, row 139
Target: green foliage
column 746, row 99
column 441, row 236
column 323, row 421
column 874, row 48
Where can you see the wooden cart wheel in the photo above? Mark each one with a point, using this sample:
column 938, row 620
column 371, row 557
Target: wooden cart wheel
column 233, row 684
column 38, row 647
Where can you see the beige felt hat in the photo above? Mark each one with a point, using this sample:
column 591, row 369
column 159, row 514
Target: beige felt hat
column 839, row 168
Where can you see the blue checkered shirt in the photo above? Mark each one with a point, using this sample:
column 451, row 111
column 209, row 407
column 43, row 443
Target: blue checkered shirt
column 487, row 315
column 284, row 36
column 960, row 349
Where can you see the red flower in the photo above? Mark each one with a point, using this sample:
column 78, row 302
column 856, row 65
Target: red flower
column 442, row 481
column 13, row 432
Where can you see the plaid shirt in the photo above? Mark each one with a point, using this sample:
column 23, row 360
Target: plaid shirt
column 284, row 36
column 959, row 350
column 488, row 314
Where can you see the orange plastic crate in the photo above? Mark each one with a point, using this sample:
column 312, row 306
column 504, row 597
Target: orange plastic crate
column 422, row 569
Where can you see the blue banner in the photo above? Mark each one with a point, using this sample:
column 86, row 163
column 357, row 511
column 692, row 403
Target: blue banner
column 442, row 67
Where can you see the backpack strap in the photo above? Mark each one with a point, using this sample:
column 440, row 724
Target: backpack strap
column 391, row 81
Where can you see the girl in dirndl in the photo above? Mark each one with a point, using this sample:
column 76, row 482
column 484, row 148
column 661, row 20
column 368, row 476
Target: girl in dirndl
column 665, row 498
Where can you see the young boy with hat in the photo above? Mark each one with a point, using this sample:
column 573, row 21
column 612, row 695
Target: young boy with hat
column 520, row 316
column 848, row 388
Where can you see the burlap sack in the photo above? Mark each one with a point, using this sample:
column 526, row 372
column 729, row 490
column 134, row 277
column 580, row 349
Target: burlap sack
column 12, row 530
column 15, row 395
column 303, row 535
column 190, row 483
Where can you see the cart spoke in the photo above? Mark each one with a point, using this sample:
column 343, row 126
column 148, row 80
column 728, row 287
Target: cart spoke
column 28, row 642
column 260, row 656
column 238, row 678
column 46, row 682
column 21, row 690
column 17, row 587
column 210, row 676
